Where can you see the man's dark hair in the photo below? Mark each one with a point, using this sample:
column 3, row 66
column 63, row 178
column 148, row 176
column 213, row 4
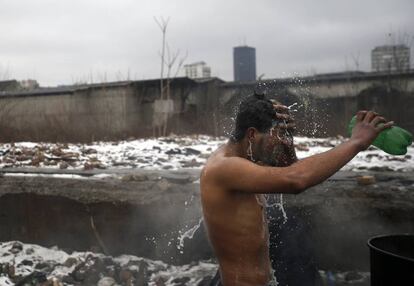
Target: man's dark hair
column 254, row 111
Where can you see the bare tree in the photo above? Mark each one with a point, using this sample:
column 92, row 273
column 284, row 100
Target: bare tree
column 7, row 108
column 355, row 60
column 399, row 61
column 352, row 85
column 5, row 72
column 169, row 60
column 162, row 24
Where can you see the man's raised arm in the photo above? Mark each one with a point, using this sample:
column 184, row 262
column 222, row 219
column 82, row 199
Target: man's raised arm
column 239, row 174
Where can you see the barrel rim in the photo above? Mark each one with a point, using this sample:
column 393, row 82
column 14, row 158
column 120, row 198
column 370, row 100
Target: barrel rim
column 387, row 252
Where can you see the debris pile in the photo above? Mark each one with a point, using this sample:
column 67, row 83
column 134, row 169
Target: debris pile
column 48, row 155
column 174, row 152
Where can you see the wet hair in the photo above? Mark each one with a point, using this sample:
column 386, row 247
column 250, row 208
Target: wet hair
column 254, row 111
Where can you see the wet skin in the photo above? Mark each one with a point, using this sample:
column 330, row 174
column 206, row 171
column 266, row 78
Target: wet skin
column 237, row 231
column 233, row 180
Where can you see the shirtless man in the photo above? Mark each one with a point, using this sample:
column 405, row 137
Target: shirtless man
column 258, row 160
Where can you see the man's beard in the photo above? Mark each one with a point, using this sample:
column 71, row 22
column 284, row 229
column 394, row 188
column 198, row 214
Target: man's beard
column 274, row 158
column 279, row 157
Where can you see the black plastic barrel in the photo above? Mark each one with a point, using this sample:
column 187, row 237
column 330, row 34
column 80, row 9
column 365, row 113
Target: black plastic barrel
column 392, row 260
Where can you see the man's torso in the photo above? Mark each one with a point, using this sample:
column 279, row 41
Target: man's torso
column 237, row 229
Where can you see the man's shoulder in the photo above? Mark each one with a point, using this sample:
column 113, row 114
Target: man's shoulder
column 222, row 162
column 221, row 168
column 216, row 174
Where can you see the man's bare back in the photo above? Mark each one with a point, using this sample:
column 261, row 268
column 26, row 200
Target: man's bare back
column 235, row 219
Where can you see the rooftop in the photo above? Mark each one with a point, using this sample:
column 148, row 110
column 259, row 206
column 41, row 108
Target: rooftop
column 70, row 89
column 332, row 77
column 390, row 47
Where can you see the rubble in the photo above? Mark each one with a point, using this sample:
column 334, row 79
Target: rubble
column 170, row 153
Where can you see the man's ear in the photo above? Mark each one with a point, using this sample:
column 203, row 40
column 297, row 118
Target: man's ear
column 251, row 133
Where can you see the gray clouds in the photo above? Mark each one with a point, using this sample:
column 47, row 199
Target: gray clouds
column 59, row 42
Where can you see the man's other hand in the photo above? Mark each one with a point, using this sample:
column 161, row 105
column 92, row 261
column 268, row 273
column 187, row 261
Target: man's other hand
column 287, row 126
column 285, row 131
column 367, row 127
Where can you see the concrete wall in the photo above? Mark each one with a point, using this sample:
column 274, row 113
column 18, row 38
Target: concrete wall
column 121, row 110
column 350, row 87
column 326, row 107
column 95, row 113
column 83, row 114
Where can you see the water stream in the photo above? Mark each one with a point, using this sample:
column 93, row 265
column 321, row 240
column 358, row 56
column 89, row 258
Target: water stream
column 271, row 200
column 188, row 234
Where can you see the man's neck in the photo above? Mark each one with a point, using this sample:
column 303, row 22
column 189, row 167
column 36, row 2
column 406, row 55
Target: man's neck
column 238, row 149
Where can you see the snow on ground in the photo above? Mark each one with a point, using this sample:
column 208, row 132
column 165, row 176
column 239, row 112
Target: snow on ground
column 370, row 159
column 172, row 152
column 34, row 264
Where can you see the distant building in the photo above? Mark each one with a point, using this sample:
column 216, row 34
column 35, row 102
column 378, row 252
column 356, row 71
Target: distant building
column 197, row 70
column 29, row 84
column 244, row 63
column 9, row 85
column 390, row 58
column 14, row 85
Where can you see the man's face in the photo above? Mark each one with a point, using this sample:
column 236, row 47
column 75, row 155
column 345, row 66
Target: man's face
column 275, row 147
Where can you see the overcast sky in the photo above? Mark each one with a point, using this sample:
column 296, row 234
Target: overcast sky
column 66, row 41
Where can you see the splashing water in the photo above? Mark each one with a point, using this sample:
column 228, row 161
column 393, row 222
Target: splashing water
column 273, row 280
column 279, row 204
column 282, row 209
column 292, row 105
column 262, row 200
column 188, row 234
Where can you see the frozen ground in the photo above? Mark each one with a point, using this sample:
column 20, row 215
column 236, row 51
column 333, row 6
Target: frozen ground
column 171, row 153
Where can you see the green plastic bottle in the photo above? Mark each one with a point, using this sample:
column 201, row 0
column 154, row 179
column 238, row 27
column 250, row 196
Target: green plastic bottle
column 394, row 140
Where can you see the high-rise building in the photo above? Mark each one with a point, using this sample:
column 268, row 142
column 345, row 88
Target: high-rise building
column 390, row 58
column 244, row 63
column 197, row 70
